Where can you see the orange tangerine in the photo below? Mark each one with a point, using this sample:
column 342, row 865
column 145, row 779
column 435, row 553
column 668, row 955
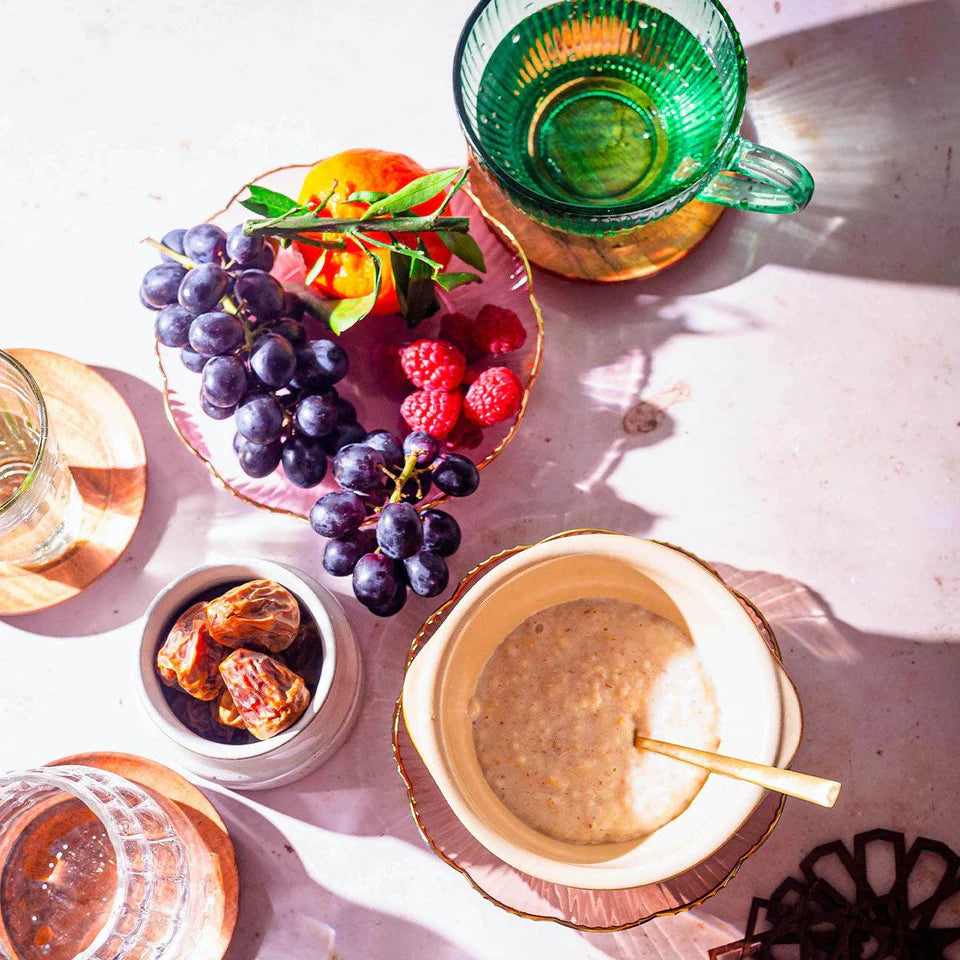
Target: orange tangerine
column 349, row 273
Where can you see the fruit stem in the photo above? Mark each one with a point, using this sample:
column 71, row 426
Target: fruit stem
column 180, row 258
column 409, row 470
column 294, row 225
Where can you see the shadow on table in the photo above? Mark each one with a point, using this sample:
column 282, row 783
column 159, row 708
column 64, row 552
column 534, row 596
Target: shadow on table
column 282, row 906
column 869, row 105
column 879, row 715
column 124, row 592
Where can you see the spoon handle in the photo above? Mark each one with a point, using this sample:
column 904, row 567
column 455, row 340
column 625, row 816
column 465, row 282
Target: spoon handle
column 793, row 784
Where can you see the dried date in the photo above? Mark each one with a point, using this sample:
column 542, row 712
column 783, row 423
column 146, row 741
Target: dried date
column 259, row 614
column 225, row 711
column 189, row 659
column 268, row 696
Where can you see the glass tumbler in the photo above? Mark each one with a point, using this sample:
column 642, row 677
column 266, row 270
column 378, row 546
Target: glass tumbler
column 41, row 510
column 611, row 128
column 91, row 867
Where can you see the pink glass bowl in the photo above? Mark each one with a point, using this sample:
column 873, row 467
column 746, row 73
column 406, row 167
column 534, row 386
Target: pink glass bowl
column 506, row 283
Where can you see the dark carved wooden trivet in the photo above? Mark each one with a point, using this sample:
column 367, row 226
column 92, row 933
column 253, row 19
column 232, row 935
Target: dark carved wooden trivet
column 810, row 919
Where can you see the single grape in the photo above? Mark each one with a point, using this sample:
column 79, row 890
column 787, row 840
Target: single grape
column 356, row 467
column 316, row 415
column 342, row 436
column 427, row 572
column 212, row 410
column 338, row 513
column 259, row 459
column 376, row 579
column 224, row 381
column 144, row 302
column 441, row 533
column 272, row 360
column 399, row 531
column 240, row 248
column 341, row 554
column 172, row 326
column 263, row 261
column 173, row 239
column 205, row 243
column 321, row 364
column 192, row 360
column 290, row 329
column 202, row 288
column 292, row 305
column 388, row 444
column 215, row 334
column 346, row 411
column 161, row 283
column 393, row 606
column 423, row 445
column 304, row 462
column 456, row 475
column 260, row 419
column 260, row 293
column 416, row 488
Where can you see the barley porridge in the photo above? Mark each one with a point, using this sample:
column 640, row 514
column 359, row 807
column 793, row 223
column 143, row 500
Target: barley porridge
column 555, row 712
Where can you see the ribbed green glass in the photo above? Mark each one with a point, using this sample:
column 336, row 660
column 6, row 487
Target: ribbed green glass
column 599, row 115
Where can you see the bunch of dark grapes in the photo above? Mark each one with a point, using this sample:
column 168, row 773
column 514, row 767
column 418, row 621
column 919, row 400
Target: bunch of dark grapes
column 237, row 327
column 376, row 531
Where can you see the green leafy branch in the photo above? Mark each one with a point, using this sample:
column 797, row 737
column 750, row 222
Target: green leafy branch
column 416, row 274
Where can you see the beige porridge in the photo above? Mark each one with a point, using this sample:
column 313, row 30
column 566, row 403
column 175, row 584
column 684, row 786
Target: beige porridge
column 556, row 708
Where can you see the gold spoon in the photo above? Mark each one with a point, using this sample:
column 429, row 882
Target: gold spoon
column 793, row 784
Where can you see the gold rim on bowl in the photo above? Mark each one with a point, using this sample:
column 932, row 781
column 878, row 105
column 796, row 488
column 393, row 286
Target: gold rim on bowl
column 763, row 627
column 504, row 235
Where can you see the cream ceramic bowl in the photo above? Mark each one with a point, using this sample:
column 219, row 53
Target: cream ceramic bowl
column 760, row 717
column 302, row 747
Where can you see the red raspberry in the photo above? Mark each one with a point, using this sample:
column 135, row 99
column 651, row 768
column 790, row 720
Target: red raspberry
column 433, row 364
column 432, row 411
column 497, row 330
column 457, row 328
column 493, row 397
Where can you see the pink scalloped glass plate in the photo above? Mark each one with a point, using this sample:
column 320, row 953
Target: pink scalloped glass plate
column 507, row 283
column 526, row 896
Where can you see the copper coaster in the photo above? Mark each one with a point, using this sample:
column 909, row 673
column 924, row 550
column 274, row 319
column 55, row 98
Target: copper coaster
column 209, row 848
column 99, row 436
column 628, row 255
column 526, row 896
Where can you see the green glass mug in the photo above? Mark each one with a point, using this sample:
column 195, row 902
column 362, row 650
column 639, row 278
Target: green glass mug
column 595, row 117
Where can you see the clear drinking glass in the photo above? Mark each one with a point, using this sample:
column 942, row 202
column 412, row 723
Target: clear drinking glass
column 91, row 868
column 597, row 116
column 40, row 507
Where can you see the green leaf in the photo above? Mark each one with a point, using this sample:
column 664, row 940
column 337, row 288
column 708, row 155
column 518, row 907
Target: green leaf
column 314, row 271
column 462, row 245
column 400, row 264
column 416, row 192
column 450, row 281
column 418, row 296
column 260, row 209
column 346, row 313
column 366, row 196
column 271, row 203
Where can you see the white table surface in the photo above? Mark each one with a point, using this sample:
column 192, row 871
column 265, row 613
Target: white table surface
column 812, row 444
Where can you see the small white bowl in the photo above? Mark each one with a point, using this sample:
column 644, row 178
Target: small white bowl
column 760, row 716
column 303, row 746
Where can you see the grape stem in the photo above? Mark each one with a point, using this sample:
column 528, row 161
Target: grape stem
column 312, row 223
column 409, row 470
column 180, row 258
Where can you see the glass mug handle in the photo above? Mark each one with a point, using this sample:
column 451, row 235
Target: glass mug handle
column 760, row 179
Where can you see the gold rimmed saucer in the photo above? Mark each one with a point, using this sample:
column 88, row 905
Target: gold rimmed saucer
column 526, row 896
column 508, row 282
